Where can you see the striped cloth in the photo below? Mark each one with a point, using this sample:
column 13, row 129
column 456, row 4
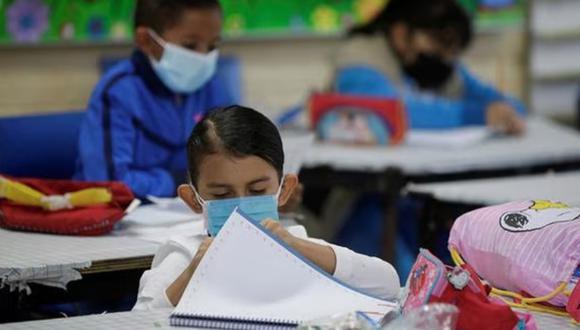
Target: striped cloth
column 529, row 246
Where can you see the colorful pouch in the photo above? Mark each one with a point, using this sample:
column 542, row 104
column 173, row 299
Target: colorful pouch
column 430, row 281
column 62, row 207
column 528, row 251
column 357, row 120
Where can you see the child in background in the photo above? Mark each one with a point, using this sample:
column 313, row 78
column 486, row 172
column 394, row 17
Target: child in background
column 235, row 155
column 143, row 109
column 411, row 51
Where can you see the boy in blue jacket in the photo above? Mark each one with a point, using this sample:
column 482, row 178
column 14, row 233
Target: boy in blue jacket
column 411, row 51
column 141, row 112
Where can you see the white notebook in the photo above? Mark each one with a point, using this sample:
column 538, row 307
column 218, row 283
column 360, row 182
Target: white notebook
column 248, row 279
column 452, row 138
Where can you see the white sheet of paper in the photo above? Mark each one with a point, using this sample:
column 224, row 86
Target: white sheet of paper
column 453, row 138
column 174, row 204
column 154, row 215
column 161, row 234
column 159, row 221
column 246, row 274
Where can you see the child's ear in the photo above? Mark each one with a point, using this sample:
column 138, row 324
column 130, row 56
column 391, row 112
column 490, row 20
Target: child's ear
column 399, row 37
column 186, row 193
column 288, row 185
column 146, row 44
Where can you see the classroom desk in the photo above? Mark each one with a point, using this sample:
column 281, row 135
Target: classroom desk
column 563, row 187
column 444, row 202
column 43, row 258
column 38, row 258
column 156, row 319
column 546, row 145
column 159, row 319
column 36, row 267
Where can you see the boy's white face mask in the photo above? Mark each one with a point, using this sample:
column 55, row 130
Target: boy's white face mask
column 183, row 70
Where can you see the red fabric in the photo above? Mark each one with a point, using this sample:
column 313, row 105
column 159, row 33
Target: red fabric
column 391, row 110
column 476, row 311
column 85, row 221
column 573, row 306
column 475, row 279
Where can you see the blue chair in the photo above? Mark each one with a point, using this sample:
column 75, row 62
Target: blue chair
column 41, row 146
column 230, row 70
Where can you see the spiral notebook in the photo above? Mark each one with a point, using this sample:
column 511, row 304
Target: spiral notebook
column 249, row 279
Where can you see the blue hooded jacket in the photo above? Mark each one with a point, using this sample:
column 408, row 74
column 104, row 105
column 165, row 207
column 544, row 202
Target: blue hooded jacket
column 426, row 110
column 136, row 129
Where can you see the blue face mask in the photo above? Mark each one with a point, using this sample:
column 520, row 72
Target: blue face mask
column 183, row 70
column 258, row 208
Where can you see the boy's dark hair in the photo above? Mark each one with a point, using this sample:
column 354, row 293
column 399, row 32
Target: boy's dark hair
column 444, row 20
column 237, row 131
column 163, row 14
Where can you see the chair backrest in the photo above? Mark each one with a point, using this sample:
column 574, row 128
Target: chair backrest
column 230, row 70
column 41, row 146
column 578, row 109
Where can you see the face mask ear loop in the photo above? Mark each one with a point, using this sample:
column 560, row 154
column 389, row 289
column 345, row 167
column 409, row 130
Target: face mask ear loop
column 279, row 192
column 200, row 200
column 157, row 38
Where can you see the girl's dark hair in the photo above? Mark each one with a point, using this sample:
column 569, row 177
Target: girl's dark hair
column 444, row 20
column 163, row 14
column 237, row 131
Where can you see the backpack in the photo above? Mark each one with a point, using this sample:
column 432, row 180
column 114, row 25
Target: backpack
column 529, row 251
column 61, row 206
column 357, row 120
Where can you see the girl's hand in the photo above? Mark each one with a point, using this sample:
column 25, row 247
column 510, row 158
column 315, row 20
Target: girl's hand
column 321, row 255
column 279, row 231
column 176, row 289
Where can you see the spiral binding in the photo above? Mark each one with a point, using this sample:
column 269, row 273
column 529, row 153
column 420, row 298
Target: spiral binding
column 213, row 322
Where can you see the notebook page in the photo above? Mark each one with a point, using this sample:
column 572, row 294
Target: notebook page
column 453, row 138
column 247, row 274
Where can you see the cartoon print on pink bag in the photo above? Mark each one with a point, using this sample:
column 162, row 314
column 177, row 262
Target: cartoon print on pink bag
column 540, row 214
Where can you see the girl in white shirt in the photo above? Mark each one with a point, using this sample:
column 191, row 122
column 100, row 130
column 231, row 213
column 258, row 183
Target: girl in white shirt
column 235, row 156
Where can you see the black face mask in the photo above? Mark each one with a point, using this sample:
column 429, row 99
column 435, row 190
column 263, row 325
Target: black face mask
column 429, row 71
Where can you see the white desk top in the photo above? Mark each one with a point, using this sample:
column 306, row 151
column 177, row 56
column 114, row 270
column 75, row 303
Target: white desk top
column 54, row 260
column 159, row 319
column 563, row 187
column 32, row 250
column 544, row 143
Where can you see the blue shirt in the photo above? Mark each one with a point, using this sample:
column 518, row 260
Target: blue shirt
column 426, row 110
column 136, row 129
